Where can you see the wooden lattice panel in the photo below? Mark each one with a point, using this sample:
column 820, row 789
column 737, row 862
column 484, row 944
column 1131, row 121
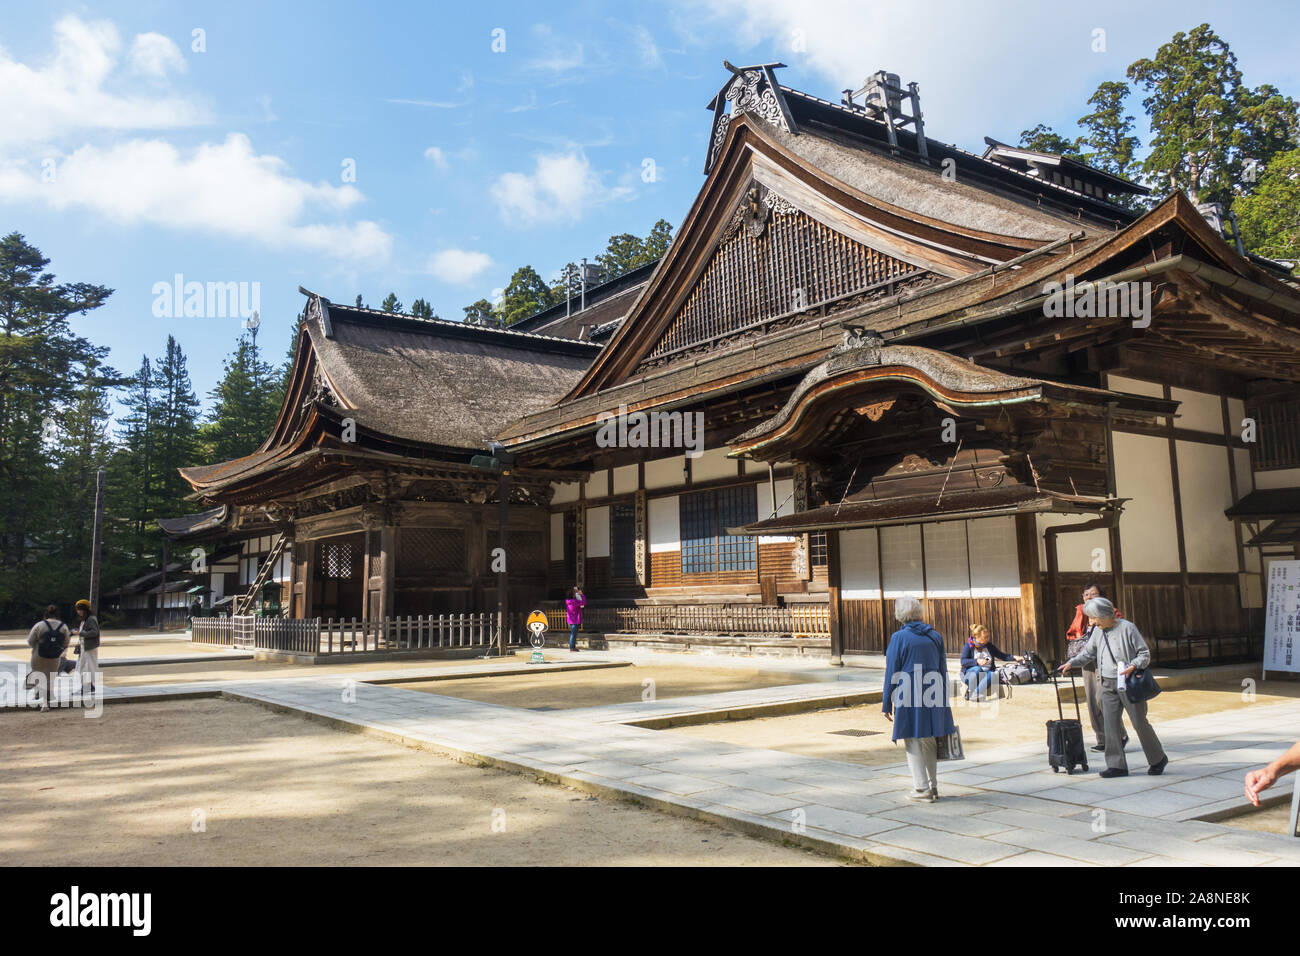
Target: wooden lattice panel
column 526, row 551
column 421, row 550
column 796, row 262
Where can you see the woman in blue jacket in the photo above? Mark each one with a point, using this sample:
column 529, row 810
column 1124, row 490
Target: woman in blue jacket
column 977, row 660
column 916, row 695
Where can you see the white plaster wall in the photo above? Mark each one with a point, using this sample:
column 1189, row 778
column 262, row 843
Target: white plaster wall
column 625, row 480
column 1134, row 386
column 714, row 463
column 1279, row 478
column 1199, row 411
column 664, row 520
column 1147, row 530
column 665, row 472
column 598, row 532
column 564, row 493
column 784, row 506
column 1205, row 491
column 598, row 484
column 859, row 565
column 1076, row 551
column 557, row 537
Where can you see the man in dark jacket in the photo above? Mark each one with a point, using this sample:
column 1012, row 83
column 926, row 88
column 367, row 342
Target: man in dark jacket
column 88, row 643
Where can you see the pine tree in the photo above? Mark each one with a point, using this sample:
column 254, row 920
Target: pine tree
column 623, row 253
column 481, row 313
column 657, row 243
column 527, row 294
column 177, row 422
column 243, row 412
column 422, row 309
column 390, row 303
column 42, row 363
column 1044, row 139
column 1207, row 124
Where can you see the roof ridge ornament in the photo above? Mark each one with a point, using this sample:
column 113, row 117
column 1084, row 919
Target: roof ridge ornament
column 753, row 90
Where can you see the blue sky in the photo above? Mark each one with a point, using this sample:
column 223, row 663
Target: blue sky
column 235, row 162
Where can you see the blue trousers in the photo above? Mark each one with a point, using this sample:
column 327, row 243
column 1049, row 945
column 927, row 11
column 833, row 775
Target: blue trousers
column 978, row 681
column 573, row 637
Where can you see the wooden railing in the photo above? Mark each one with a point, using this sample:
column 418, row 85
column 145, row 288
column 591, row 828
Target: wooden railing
column 806, row 620
column 356, row 635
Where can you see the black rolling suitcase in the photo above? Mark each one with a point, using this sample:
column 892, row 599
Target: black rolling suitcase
column 1065, row 737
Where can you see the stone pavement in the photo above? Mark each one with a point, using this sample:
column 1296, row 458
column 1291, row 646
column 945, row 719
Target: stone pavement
column 998, row 808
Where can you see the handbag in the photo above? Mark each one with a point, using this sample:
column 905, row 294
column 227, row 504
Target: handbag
column 1140, row 686
column 949, row 746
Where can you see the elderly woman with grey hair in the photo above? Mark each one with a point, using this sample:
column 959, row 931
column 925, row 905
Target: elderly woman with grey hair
column 916, row 695
column 1117, row 647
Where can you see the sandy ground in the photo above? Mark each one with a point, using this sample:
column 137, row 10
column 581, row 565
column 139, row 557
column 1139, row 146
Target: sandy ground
column 562, row 690
column 1273, row 819
column 211, row 670
column 1021, row 719
column 283, row 790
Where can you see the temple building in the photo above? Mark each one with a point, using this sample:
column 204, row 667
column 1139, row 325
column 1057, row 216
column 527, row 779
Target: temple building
column 870, row 364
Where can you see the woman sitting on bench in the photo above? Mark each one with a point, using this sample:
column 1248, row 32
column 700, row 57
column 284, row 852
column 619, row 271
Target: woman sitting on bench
column 977, row 659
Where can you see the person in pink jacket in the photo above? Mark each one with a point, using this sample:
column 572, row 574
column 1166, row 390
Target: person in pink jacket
column 573, row 608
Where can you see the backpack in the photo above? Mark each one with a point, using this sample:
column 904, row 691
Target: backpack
column 1015, row 673
column 51, row 642
column 1038, row 671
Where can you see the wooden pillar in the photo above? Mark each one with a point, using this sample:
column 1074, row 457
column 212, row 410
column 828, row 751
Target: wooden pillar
column 387, row 570
column 307, row 577
column 1032, row 605
column 833, row 605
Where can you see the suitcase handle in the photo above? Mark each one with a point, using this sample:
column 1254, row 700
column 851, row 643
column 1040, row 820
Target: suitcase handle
column 1073, row 696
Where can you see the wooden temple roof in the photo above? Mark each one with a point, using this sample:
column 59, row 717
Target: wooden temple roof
column 431, row 391
column 856, row 512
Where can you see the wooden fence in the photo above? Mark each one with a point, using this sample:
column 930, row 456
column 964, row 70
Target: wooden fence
column 809, row 620
column 355, row 635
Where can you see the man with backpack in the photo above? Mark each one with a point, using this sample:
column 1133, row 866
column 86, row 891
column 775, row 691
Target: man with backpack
column 48, row 639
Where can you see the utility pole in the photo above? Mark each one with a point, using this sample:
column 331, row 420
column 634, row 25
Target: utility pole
column 502, row 462
column 96, row 541
column 162, row 592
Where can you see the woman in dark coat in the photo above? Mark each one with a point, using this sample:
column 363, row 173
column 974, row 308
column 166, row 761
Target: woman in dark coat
column 916, row 695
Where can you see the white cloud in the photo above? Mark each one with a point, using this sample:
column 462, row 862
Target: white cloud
column 844, row 41
column 154, row 55
column 225, row 188
column 438, row 157
column 458, row 265
column 562, row 187
column 69, row 92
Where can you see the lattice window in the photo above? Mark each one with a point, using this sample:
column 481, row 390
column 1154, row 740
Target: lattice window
column 424, row 550
column 338, row 559
column 817, row 549
column 1279, row 435
column 526, row 551
column 705, row 517
column 622, row 540
column 797, row 262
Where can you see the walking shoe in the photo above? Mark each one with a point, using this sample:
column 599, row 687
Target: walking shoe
column 1113, row 772
column 928, row 797
column 1099, row 748
column 934, row 794
column 1156, row 769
